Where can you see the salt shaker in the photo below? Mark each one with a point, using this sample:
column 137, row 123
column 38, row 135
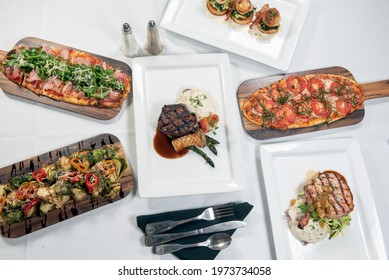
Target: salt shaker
column 130, row 47
column 153, row 44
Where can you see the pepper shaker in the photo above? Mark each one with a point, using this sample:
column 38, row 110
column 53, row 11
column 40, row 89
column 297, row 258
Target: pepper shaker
column 130, row 47
column 153, row 44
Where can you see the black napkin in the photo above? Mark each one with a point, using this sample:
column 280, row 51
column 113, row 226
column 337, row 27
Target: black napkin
column 198, row 253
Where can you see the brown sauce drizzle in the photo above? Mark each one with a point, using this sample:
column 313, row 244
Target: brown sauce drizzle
column 163, row 146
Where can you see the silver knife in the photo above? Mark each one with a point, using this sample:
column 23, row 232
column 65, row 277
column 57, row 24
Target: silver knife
column 156, row 239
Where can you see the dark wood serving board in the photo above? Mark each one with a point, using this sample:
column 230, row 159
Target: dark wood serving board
column 98, row 113
column 371, row 90
column 72, row 208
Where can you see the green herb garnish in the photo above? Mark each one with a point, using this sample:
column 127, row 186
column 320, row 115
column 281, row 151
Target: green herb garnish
column 93, row 80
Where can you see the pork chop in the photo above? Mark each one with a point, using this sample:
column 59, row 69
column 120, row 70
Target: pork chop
column 330, row 195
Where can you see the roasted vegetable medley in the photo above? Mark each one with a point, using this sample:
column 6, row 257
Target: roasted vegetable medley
column 84, row 175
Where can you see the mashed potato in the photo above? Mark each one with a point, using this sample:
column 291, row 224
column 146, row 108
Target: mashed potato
column 198, row 101
column 312, row 232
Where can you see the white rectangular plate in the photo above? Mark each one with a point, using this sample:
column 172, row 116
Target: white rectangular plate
column 158, row 81
column 285, row 166
column 191, row 18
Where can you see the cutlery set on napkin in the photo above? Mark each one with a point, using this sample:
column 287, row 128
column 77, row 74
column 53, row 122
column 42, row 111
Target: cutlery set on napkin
column 196, row 233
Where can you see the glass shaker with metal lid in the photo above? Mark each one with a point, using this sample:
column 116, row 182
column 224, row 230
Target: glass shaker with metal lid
column 153, row 44
column 130, row 47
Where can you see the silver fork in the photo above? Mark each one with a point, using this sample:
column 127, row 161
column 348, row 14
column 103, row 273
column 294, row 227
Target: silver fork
column 209, row 214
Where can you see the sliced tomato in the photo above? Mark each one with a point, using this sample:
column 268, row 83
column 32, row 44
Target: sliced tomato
column 265, row 104
column 285, row 116
column 263, row 109
column 337, row 89
column 320, row 110
column 296, row 84
column 289, row 113
column 343, row 107
column 281, row 95
column 303, row 110
column 315, row 86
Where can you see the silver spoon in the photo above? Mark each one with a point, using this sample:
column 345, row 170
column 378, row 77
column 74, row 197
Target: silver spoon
column 217, row 241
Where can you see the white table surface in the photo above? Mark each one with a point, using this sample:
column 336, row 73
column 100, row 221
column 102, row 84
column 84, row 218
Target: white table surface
column 349, row 33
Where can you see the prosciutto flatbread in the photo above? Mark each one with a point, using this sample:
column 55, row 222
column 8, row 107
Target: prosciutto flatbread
column 67, row 75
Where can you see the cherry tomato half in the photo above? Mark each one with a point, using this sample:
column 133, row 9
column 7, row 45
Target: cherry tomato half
column 204, row 124
column 210, row 122
column 213, row 119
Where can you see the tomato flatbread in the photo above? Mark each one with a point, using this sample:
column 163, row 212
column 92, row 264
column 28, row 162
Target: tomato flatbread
column 303, row 101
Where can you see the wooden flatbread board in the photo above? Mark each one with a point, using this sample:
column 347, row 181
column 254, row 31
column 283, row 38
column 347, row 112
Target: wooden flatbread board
column 94, row 112
column 73, row 208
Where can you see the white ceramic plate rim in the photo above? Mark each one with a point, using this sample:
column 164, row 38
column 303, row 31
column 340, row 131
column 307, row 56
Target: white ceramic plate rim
column 171, row 21
column 151, row 187
column 370, row 227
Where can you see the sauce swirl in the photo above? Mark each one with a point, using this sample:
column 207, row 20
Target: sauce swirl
column 163, row 147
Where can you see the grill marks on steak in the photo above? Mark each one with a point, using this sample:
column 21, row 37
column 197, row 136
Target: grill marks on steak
column 175, row 120
column 331, row 193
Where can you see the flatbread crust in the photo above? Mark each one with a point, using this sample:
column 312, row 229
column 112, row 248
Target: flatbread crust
column 55, row 89
column 303, row 101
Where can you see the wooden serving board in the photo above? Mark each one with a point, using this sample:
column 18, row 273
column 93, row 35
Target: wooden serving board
column 98, row 113
column 246, row 88
column 72, row 208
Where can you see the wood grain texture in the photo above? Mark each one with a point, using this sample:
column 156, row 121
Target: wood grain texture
column 94, row 112
column 72, row 208
column 248, row 87
column 375, row 90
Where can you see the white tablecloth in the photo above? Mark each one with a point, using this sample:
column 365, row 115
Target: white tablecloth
column 348, row 33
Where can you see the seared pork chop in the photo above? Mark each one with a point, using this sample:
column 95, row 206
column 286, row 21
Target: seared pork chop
column 330, row 195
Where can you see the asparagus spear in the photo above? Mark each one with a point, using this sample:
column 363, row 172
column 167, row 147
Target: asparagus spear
column 211, row 140
column 202, row 154
column 213, row 149
column 211, row 144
